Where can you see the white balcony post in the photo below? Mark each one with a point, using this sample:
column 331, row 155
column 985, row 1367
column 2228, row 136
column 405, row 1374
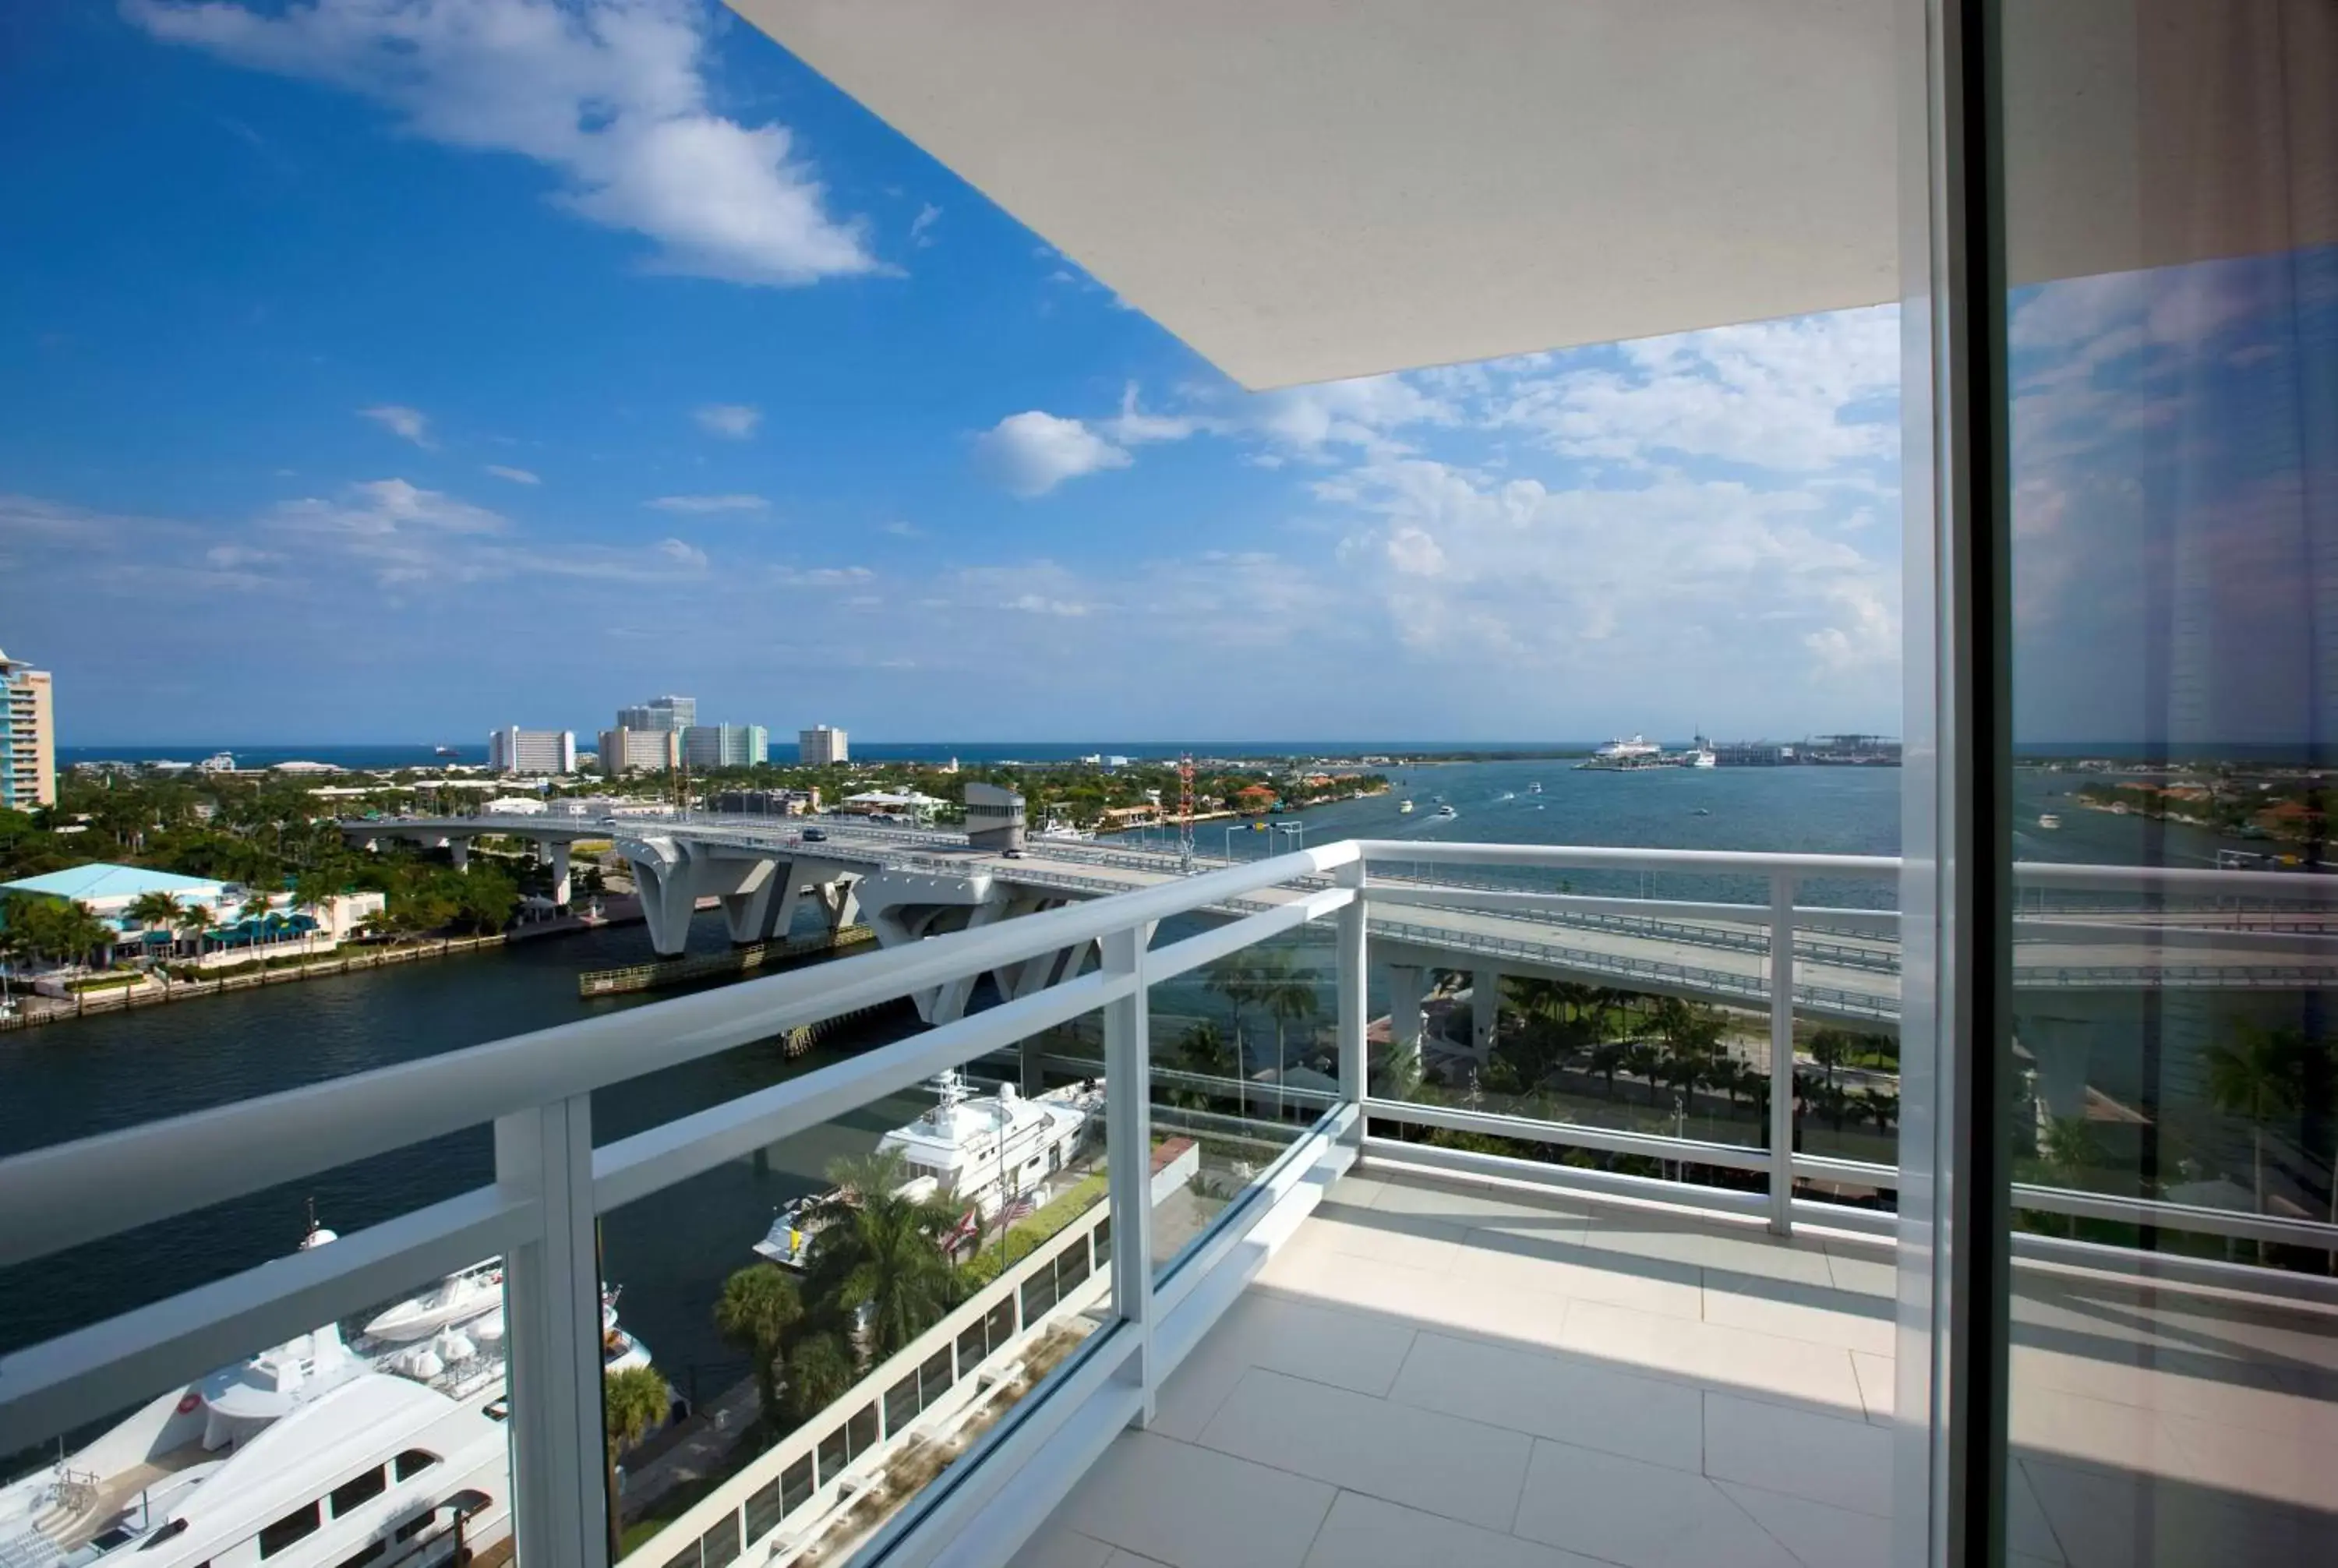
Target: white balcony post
column 552, row 1294
column 1128, row 1154
column 1781, row 1052
column 1353, row 1007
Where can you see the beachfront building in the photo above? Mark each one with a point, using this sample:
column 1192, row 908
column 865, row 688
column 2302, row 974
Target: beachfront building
column 513, row 750
column 625, row 750
column 28, row 737
column 676, row 713
column 108, row 890
column 725, row 745
column 822, row 745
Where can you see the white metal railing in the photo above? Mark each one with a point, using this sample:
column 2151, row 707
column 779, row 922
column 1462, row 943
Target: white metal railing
column 551, row 1180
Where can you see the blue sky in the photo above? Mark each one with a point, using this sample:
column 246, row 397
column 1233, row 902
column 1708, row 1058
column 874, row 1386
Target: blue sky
column 392, row 371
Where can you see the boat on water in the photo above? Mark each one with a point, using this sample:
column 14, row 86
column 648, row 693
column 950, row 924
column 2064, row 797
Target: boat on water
column 458, row 1299
column 986, row 1151
column 1700, row 757
column 1535, row 787
column 1404, row 808
column 314, row 1453
column 1445, row 811
column 445, row 751
column 2046, row 819
column 1620, row 750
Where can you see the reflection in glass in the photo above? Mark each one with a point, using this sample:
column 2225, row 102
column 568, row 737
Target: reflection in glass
column 2172, row 341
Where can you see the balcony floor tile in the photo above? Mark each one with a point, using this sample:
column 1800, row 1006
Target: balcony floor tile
column 1844, row 1463
column 1464, row 1470
column 1370, row 1533
column 1557, row 1396
column 1820, row 1314
column 1638, row 1514
column 1352, row 1350
column 1194, row 1508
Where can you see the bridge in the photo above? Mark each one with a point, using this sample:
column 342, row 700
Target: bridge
column 2092, row 931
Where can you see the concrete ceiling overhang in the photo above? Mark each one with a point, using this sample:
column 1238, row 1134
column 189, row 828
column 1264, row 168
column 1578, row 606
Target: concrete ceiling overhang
column 1307, row 190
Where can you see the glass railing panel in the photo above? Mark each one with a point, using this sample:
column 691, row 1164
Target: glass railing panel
column 407, row 1396
column 844, row 1313
column 1243, row 1064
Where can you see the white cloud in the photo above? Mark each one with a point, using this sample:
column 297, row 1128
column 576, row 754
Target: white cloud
column 1040, row 605
column 1414, row 553
column 921, row 226
column 900, row 530
column 735, row 420
column 708, row 503
column 683, row 555
column 1132, row 426
column 400, row 420
column 1364, row 413
column 228, row 557
column 1031, row 453
column 821, row 576
column 610, row 97
column 385, row 506
column 1796, row 396
column 516, row 476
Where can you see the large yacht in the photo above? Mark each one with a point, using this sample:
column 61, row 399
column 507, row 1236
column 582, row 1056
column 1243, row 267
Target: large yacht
column 985, row 1151
column 316, row 1452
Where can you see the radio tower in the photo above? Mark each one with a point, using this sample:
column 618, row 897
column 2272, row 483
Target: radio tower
column 1185, row 814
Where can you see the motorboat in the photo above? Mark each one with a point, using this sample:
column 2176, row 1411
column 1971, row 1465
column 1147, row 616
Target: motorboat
column 458, row 1299
column 1404, row 808
column 2047, row 820
column 1535, row 787
column 1446, row 811
column 1702, row 756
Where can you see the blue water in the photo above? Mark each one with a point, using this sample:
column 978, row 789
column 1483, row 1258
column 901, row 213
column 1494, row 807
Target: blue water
column 421, row 754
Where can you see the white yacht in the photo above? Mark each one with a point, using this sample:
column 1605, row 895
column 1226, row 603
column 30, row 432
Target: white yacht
column 1404, row 808
column 458, row 1299
column 1620, row 750
column 310, row 1454
column 1702, row 756
column 1063, row 832
column 986, row 1150
column 990, row 1149
column 2047, row 820
column 1535, row 787
column 1446, row 811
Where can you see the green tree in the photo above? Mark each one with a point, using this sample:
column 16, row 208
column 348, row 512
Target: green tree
column 2257, row 1076
column 818, row 1370
column 155, row 909
column 194, row 919
column 62, row 930
column 878, row 1257
column 1237, row 979
column 759, row 1306
column 1830, row 1048
column 633, row 1400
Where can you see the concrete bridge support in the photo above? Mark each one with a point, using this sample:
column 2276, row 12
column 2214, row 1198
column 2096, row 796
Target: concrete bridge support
column 559, row 852
column 1485, row 1009
column 460, row 852
column 910, row 906
column 664, row 880
column 1407, row 985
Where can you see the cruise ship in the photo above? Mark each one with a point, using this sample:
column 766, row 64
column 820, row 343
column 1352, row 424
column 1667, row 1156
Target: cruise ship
column 1637, row 747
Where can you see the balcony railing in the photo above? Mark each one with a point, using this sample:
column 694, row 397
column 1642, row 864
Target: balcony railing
column 1135, row 1322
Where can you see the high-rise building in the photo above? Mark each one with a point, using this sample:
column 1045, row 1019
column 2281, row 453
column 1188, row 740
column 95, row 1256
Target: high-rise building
column 676, row 713
column 725, row 745
column 513, row 750
column 625, row 750
column 28, row 737
column 821, row 745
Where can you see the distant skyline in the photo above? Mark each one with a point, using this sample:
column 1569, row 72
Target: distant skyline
column 398, row 370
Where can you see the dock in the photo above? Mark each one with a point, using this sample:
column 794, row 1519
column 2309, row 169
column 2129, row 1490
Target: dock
column 742, row 960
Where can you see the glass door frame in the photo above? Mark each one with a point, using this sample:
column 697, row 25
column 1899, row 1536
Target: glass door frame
column 1954, row 1244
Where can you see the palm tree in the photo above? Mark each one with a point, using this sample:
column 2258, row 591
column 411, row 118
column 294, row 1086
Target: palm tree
column 196, row 919
column 61, row 930
column 155, row 909
column 879, row 1256
column 818, row 1371
column 1605, row 1058
column 13, row 947
column 1203, row 1049
column 1830, row 1048
column 758, row 1306
column 1236, row 980
column 1289, row 998
column 2257, row 1077
column 633, row 1400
